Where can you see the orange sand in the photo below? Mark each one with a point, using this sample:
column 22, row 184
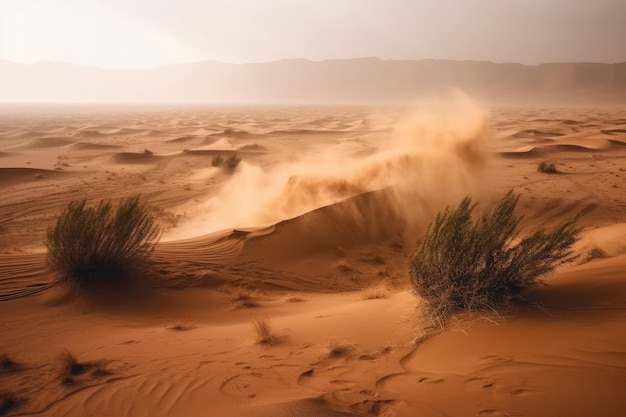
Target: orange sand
column 318, row 192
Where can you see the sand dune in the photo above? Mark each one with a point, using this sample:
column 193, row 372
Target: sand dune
column 46, row 142
column 13, row 176
column 326, row 202
column 86, row 146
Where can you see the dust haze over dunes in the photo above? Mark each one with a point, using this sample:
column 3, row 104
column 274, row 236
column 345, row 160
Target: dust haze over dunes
column 322, row 212
column 347, row 81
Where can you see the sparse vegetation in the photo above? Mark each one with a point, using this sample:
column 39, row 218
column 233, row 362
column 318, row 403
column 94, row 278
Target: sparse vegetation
column 344, row 267
column 547, row 168
column 595, row 253
column 91, row 242
column 336, row 348
column 69, row 367
column 244, row 299
column 294, row 298
column 218, row 160
column 99, row 368
column 230, row 162
column 375, row 292
column 6, row 362
column 264, row 334
column 180, row 326
column 148, row 152
column 8, row 400
column 474, row 265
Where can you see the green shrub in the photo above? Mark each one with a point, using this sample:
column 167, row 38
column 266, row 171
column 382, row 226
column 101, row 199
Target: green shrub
column 87, row 243
column 473, row 265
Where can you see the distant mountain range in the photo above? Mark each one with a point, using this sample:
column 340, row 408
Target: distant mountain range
column 349, row 81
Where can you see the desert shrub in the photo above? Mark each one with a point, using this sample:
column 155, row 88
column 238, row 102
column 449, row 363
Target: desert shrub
column 148, row 152
column 91, row 242
column 375, row 292
column 595, row 253
column 180, row 326
column 472, row 265
column 337, row 348
column 244, row 298
column 69, row 367
column 263, row 332
column 6, row 361
column 217, row 161
column 8, row 400
column 232, row 161
column 547, row 168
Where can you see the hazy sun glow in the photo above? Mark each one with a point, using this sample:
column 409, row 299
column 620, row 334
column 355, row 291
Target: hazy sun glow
column 87, row 32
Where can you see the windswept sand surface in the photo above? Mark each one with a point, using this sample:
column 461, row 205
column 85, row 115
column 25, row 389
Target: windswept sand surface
column 326, row 202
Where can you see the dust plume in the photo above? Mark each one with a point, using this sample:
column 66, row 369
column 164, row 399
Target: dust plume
column 430, row 159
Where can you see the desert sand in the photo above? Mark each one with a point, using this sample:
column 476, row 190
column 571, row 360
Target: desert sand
column 316, row 221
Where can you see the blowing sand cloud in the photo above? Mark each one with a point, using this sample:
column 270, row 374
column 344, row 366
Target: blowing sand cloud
column 430, row 158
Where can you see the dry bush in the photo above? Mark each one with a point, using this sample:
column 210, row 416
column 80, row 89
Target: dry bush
column 6, row 361
column 596, row 252
column 375, row 292
column 99, row 368
column 344, row 267
column 8, row 400
column 148, row 152
column 336, row 348
column 294, row 298
column 244, row 299
column 474, row 265
column 69, row 367
column 264, row 334
column 547, row 168
column 180, row 326
column 217, row 161
column 87, row 243
column 232, row 161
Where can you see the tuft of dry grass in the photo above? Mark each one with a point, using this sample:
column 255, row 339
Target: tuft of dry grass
column 375, row 292
column 69, row 367
column 8, row 400
column 344, row 267
column 244, row 299
column 180, row 326
column 547, row 168
column 294, row 298
column 264, row 334
column 596, row 253
column 6, row 362
column 336, row 348
column 99, row 368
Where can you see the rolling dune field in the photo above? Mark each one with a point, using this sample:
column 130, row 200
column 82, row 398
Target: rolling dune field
column 311, row 231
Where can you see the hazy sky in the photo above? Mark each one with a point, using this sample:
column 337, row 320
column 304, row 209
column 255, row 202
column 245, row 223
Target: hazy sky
column 141, row 33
